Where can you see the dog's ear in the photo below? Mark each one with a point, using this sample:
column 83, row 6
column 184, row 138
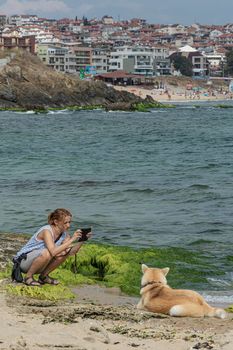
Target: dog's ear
column 165, row 271
column 144, row 268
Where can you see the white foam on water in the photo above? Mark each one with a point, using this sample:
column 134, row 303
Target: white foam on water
column 60, row 111
column 219, row 282
column 218, row 297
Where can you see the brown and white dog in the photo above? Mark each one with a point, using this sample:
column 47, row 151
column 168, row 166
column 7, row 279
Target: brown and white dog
column 157, row 296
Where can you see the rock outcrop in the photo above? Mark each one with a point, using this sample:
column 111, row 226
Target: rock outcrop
column 26, row 82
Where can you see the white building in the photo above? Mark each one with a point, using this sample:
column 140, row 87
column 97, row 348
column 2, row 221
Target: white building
column 18, row 20
column 41, row 35
column 216, row 63
column 200, row 65
column 142, row 60
column 107, row 20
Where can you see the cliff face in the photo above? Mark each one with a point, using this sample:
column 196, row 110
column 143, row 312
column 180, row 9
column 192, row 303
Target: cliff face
column 25, row 82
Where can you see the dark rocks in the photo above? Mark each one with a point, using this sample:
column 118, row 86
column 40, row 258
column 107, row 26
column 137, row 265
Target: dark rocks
column 26, row 82
column 6, row 94
column 14, row 72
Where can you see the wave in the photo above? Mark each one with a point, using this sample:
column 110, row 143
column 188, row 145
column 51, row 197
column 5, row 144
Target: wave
column 211, row 231
column 32, row 184
column 25, row 112
column 201, row 242
column 60, row 111
column 139, row 190
column 219, row 282
column 200, row 186
column 30, row 112
column 208, row 166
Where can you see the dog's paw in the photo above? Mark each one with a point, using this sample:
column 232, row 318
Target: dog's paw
column 140, row 306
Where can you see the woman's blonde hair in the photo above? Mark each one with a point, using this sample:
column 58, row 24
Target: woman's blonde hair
column 58, row 214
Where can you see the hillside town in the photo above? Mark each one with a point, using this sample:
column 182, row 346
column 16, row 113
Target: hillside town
column 117, row 51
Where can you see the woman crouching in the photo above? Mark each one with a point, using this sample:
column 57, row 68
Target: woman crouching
column 48, row 248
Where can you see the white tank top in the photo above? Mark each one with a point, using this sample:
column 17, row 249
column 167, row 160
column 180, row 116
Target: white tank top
column 37, row 244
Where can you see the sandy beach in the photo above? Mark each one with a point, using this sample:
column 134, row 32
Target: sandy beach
column 101, row 318
column 176, row 94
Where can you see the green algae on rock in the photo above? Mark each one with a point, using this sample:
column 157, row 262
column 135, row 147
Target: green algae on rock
column 224, row 106
column 229, row 308
column 120, row 266
column 145, row 106
column 113, row 266
column 46, row 292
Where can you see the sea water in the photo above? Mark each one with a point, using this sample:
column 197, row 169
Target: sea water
column 143, row 180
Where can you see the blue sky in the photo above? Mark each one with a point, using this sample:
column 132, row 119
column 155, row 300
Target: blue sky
column 154, row 11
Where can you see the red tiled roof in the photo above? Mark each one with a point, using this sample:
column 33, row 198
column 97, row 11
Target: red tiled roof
column 119, row 74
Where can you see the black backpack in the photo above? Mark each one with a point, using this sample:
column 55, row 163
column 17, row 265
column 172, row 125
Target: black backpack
column 16, row 274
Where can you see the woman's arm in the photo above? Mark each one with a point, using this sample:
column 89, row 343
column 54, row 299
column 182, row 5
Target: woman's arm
column 75, row 248
column 51, row 246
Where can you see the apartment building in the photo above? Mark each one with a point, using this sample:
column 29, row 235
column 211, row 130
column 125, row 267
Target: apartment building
column 143, row 60
column 200, row 64
column 107, row 20
column 3, row 20
column 64, row 59
column 100, row 59
column 15, row 42
column 216, row 63
column 82, row 56
column 182, row 40
column 56, row 58
column 225, row 40
column 18, row 20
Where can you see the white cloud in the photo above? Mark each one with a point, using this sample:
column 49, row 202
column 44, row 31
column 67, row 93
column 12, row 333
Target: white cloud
column 154, row 11
column 39, row 7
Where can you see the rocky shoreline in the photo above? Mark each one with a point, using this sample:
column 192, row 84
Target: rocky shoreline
column 34, row 86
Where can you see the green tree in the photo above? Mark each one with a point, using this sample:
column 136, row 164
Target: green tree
column 183, row 64
column 85, row 21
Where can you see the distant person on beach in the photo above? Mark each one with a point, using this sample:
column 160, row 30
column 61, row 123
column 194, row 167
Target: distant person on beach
column 48, row 248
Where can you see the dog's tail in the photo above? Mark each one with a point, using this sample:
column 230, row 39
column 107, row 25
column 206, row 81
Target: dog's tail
column 216, row 312
column 195, row 310
column 213, row 311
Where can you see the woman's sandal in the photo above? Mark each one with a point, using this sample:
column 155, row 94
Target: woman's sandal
column 48, row 280
column 29, row 281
